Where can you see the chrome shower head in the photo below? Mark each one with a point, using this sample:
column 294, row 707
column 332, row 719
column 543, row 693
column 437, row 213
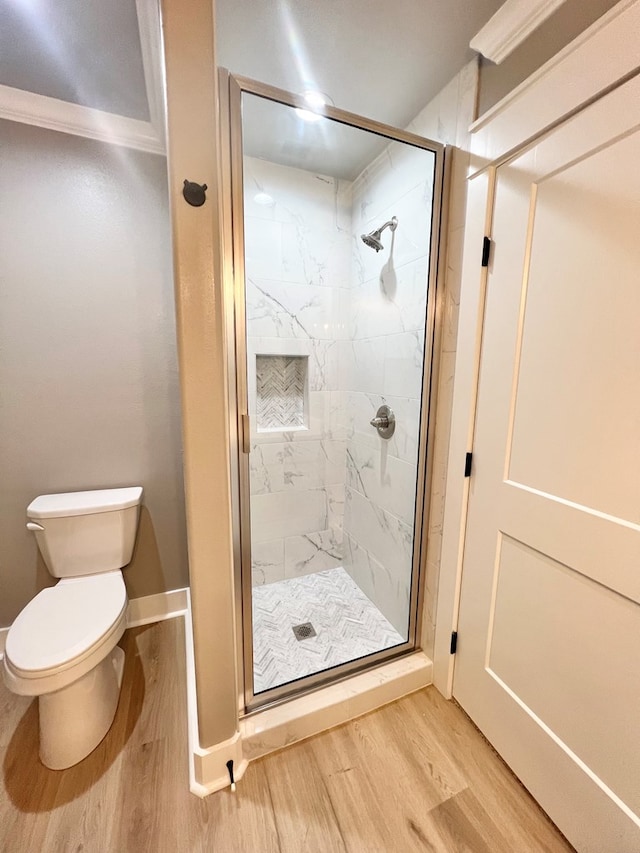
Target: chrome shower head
column 372, row 240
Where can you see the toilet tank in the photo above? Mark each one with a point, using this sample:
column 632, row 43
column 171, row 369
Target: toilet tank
column 84, row 533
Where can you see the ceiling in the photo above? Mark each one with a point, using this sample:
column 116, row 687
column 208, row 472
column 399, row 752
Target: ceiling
column 384, row 60
column 381, row 59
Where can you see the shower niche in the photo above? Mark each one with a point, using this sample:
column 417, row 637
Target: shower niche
column 330, row 512
column 281, row 392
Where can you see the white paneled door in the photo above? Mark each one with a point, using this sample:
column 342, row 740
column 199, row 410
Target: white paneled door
column 548, row 660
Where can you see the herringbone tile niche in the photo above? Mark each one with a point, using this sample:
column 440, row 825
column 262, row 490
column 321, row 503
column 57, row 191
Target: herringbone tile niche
column 280, row 383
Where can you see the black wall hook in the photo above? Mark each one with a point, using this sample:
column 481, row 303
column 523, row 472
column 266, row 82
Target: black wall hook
column 194, row 193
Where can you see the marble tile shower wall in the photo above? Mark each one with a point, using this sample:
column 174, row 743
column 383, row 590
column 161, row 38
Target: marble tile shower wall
column 446, row 118
column 385, row 350
column 298, row 266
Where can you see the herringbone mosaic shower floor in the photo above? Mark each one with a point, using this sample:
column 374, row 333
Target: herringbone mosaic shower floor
column 348, row 626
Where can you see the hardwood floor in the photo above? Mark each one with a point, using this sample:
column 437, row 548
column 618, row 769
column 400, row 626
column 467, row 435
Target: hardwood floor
column 413, row 776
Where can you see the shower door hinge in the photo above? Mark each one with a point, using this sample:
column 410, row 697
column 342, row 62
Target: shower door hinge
column 486, row 251
column 468, row 461
column 245, row 433
column 454, row 642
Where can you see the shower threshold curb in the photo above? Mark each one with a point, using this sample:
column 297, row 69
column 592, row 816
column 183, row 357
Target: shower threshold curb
column 282, row 725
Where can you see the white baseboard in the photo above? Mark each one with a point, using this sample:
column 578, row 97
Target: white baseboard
column 142, row 611
column 210, row 771
column 155, row 608
column 207, row 767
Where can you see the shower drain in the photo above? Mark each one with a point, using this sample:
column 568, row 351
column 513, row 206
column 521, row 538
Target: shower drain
column 304, row 631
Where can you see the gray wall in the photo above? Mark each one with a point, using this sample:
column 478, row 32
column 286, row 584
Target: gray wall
column 89, row 394
column 572, row 18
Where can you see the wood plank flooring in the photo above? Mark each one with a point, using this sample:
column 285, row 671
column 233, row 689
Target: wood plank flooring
column 413, row 776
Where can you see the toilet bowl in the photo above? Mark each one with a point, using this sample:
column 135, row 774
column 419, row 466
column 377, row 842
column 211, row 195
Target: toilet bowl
column 63, row 646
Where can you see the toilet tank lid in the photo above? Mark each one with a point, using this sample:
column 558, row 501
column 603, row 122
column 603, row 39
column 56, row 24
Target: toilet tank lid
column 84, row 503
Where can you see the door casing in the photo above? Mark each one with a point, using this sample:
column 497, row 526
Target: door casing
column 561, row 88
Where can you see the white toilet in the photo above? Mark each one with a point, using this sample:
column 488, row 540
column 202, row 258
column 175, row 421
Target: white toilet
column 62, row 646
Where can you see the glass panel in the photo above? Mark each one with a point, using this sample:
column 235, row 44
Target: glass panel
column 337, row 240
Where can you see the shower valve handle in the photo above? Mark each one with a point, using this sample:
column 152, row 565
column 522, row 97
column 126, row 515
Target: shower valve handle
column 384, row 422
column 379, row 423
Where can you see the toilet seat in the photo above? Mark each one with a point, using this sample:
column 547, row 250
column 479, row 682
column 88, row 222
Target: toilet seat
column 64, row 632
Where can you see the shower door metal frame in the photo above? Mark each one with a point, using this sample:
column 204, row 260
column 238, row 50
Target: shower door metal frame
column 232, row 88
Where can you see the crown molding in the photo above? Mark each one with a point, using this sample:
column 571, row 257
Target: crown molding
column 52, row 114
column 150, row 31
column 594, row 62
column 514, row 21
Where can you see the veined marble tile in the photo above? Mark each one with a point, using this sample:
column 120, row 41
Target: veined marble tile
column 304, row 465
column 394, row 302
column 341, row 308
column 404, row 442
column 288, row 513
column 301, row 465
column 367, row 364
column 387, row 482
column 323, row 366
column 267, row 562
column 335, row 505
column 278, row 310
column 262, row 248
column 387, row 538
column 313, row 552
column 266, row 468
column 388, row 590
column 395, row 172
column 298, row 195
column 410, row 240
column 257, row 183
column 315, row 255
column 348, row 626
column 337, row 413
column 403, row 365
column 322, row 415
column 334, row 452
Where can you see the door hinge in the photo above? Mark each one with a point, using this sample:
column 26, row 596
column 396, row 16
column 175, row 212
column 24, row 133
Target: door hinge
column 468, row 461
column 486, row 251
column 454, row 642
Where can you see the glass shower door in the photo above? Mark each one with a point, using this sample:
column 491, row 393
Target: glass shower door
column 335, row 326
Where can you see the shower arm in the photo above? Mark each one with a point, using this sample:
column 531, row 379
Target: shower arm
column 392, row 224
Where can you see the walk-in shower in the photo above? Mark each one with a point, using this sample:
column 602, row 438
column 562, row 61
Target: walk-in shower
column 333, row 361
